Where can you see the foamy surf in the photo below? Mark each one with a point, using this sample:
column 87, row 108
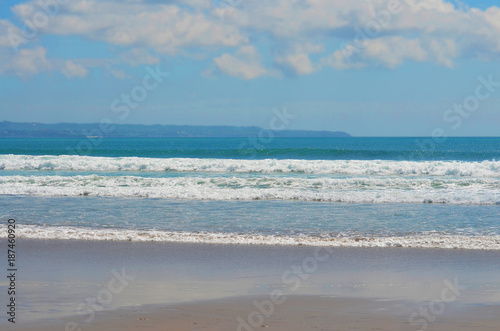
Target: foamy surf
column 414, row 241
column 346, row 167
column 458, row 190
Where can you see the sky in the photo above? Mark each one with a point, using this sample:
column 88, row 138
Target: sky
column 369, row 68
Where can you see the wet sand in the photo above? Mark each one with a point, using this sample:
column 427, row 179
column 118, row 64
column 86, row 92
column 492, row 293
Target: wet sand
column 296, row 313
column 171, row 286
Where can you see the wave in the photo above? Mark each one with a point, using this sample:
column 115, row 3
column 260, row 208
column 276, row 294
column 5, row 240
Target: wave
column 413, row 241
column 345, row 167
column 457, row 190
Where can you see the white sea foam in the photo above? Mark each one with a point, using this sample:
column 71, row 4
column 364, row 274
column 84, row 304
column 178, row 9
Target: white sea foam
column 348, row 167
column 416, row 241
column 457, row 190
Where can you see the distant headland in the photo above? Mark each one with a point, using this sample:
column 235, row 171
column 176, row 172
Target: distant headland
column 73, row 130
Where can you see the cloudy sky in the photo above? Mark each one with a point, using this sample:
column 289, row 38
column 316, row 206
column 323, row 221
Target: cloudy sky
column 370, row 68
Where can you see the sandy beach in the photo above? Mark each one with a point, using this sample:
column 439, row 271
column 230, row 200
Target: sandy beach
column 297, row 313
column 85, row 285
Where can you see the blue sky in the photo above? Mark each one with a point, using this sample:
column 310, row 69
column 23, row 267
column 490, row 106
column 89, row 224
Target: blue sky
column 370, row 68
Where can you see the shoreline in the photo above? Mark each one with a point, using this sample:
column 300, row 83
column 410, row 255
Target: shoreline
column 254, row 222
column 461, row 242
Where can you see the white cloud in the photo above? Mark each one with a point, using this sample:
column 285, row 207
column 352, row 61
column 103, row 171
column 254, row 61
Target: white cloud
column 426, row 30
column 246, row 63
column 430, row 5
column 388, row 52
column 27, row 62
column 419, row 30
column 120, row 74
column 434, row 30
column 168, row 28
column 300, row 63
column 443, row 51
column 72, row 69
column 10, row 35
column 138, row 56
column 297, row 58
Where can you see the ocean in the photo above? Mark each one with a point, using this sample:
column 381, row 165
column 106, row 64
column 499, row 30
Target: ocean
column 366, row 192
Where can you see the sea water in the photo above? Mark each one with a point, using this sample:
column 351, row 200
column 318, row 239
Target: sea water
column 376, row 192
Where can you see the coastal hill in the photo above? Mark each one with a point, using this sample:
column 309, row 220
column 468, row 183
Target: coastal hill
column 73, row 130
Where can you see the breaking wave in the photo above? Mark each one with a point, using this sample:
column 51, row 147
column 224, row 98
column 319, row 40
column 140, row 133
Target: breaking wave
column 413, row 241
column 347, row 167
column 456, row 190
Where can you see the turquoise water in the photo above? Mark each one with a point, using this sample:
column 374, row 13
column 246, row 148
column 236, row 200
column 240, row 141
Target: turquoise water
column 410, row 192
column 462, row 149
